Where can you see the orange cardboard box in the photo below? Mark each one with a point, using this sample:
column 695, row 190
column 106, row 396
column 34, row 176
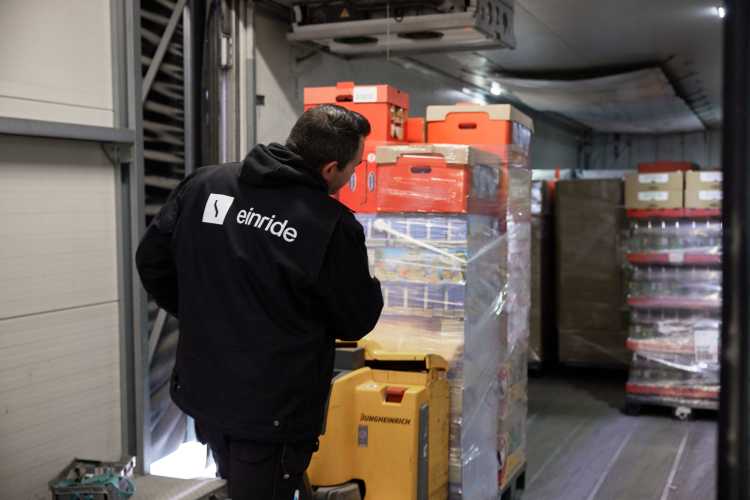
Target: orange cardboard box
column 385, row 107
column 387, row 110
column 438, row 178
column 480, row 125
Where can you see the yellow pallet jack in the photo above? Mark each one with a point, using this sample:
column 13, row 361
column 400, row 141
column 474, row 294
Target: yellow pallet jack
column 386, row 430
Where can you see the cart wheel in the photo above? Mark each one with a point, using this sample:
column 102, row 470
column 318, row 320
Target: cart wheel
column 683, row 413
column 632, row 409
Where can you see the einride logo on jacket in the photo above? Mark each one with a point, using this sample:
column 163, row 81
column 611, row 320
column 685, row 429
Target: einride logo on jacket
column 218, row 205
column 216, row 208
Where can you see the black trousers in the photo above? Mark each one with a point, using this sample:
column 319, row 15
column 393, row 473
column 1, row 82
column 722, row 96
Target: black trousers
column 258, row 471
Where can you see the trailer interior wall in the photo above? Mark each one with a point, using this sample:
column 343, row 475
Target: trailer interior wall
column 56, row 61
column 622, row 152
column 59, row 321
column 283, row 71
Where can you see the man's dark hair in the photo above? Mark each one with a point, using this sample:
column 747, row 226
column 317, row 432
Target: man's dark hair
column 328, row 133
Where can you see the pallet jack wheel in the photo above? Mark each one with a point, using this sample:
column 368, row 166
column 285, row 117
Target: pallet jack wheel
column 632, row 408
column 683, row 413
column 347, row 491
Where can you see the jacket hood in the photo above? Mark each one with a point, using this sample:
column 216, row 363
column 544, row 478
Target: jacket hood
column 276, row 165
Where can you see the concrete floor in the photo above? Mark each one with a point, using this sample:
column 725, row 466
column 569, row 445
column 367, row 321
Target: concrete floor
column 581, row 447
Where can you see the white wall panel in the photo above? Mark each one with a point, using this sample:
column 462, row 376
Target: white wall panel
column 56, row 61
column 59, row 325
column 57, row 226
column 59, row 396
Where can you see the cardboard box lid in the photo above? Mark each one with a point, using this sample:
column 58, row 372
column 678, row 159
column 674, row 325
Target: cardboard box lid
column 704, row 177
column 494, row 111
column 356, row 94
column 667, row 181
column 454, row 154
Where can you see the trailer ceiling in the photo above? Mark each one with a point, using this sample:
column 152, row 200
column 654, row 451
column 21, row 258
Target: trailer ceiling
column 588, row 38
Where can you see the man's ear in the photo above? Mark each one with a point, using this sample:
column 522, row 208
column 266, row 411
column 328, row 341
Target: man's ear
column 329, row 169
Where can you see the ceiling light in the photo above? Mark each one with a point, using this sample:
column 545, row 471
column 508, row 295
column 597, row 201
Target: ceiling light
column 496, row 89
column 721, row 12
column 474, row 96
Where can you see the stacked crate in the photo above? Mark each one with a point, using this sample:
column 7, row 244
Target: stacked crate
column 506, row 132
column 450, row 242
column 387, row 110
column 674, row 295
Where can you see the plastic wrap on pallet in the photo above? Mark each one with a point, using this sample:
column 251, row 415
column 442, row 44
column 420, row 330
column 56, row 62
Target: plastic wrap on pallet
column 445, row 292
column 458, row 285
column 669, row 378
column 683, row 235
column 675, row 282
column 675, row 318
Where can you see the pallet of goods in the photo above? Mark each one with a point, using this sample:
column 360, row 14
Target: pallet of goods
column 449, row 239
column 674, row 292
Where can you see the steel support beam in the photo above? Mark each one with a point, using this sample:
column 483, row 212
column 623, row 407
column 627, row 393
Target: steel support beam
column 59, row 130
column 734, row 417
column 134, row 196
column 120, row 77
column 188, row 68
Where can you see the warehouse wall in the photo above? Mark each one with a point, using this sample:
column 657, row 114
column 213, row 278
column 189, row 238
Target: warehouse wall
column 554, row 146
column 281, row 79
column 610, row 151
column 59, row 356
column 59, row 321
column 56, row 61
column 283, row 72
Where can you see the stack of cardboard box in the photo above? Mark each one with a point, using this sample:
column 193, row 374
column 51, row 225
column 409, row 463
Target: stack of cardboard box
column 505, row 131
column 452, row 273
column 387, row 110
column 673, row 190
column 703, row 189
column 590, row 288
column 662, row 190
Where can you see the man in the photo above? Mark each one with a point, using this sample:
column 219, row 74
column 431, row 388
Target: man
column 264, row 271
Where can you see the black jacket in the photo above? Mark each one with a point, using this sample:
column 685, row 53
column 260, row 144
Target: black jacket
column 264, row 271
